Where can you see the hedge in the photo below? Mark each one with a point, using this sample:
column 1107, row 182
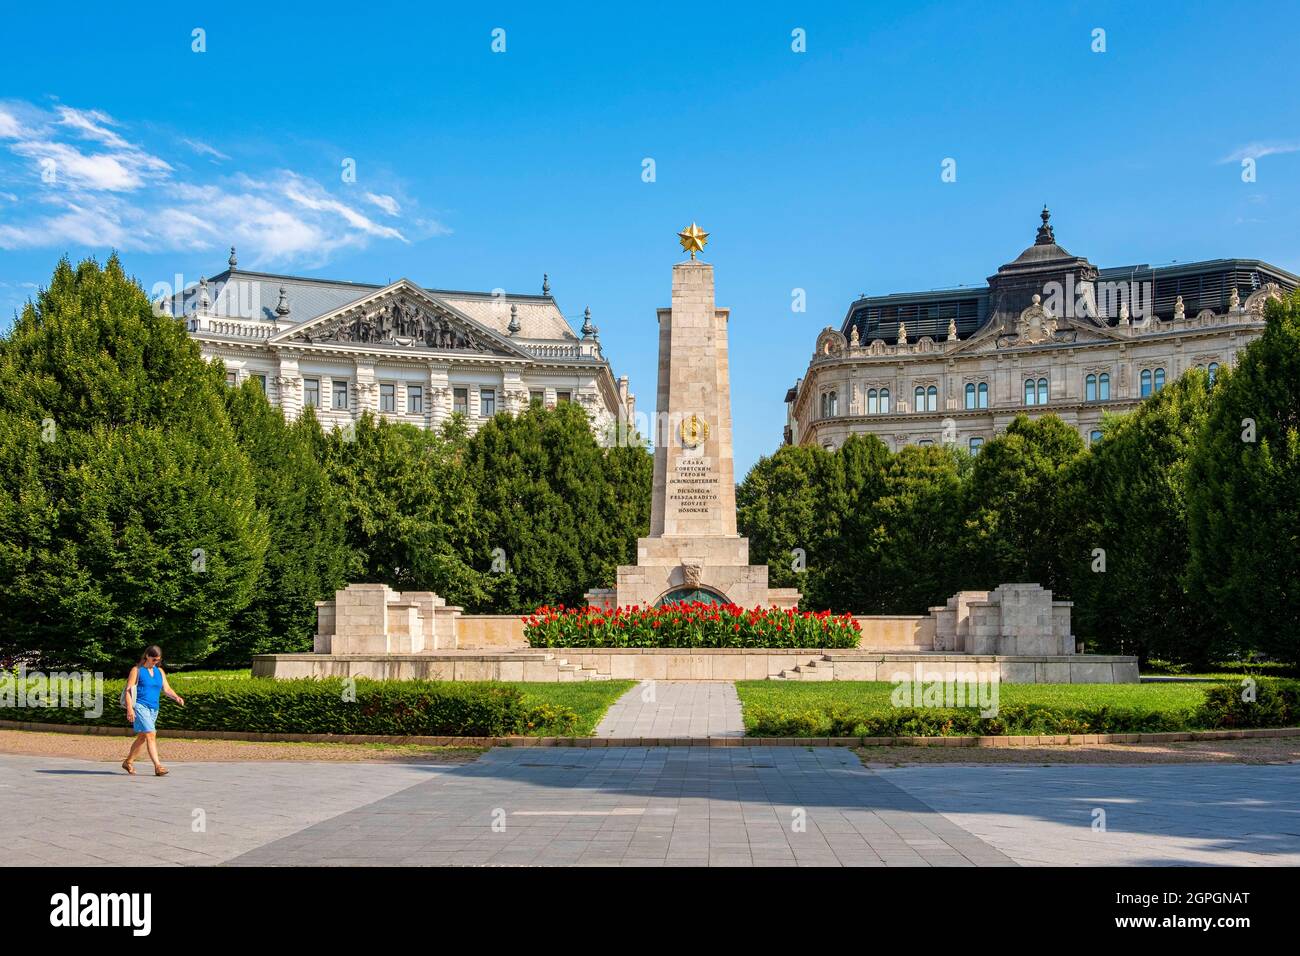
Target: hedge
column 1251, row 702
column 310, row 706
column 693, row 624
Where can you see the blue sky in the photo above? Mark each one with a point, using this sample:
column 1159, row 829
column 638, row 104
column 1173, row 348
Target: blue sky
column 817, row 170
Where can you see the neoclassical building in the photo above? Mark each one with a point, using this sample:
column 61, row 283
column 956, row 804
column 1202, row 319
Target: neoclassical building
column 401, row 351
column 1050, row 333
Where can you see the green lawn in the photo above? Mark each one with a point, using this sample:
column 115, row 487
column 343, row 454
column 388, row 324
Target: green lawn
column 589, row 699
column 875, row 694
column 838, row 708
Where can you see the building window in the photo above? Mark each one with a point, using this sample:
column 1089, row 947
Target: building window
column 975, row 445
column 388, row 398
column 487, row 403
column 1029, row 391
column 232, row 379
column 341, row 394
column 925, row 442
column 970, row 394
column 311, row 393
column 414, row 400
column 884, row 401
column 1160, row 379
column 834, row 399
column 873, row 402
column 562, row 397
column 983, row 395
column 1090, row 388
column 1146, row 382
column 460, row 401
column 824, row 405
column 261, row 382
column 1042, row 391
column 932, row 398
column 1214, row 371
column 919, row 395
column 536, row 396
column 1094, row 436
column 1103, row 386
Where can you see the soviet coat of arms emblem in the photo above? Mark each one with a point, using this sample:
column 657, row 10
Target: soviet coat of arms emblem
column 694, row 431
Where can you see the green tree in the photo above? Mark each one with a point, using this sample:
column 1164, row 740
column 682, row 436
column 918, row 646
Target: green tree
column 1016, row 506
column 780, row 508
column 1244, row 492
column 307, row 556
column 914, row 550
column 557, row 512
column 409, row 510
column 129, row 512
column 1129, row 554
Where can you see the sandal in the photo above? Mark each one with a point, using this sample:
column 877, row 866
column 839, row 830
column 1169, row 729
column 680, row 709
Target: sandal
column 161, row 771
column 129, row 767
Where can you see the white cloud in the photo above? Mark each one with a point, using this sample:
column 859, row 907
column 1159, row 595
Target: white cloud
column 111, row 192
column 385, row 202
column 1258, row 150
column 93, row 124
column 204, row 149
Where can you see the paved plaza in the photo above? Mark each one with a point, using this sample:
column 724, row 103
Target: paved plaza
column 647, row 806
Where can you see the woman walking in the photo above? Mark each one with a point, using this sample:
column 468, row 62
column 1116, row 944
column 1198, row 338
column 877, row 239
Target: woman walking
column 144, row 686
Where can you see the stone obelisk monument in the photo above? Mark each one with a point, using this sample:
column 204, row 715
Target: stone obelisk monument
column 693, row 551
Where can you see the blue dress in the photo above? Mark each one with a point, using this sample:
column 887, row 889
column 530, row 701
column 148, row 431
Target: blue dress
column 148, row 690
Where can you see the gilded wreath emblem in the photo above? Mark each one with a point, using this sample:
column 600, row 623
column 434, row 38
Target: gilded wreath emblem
column 694, row 431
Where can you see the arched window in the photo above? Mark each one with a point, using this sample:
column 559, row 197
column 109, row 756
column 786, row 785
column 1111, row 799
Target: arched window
column 823, row 405
column 1094, row 436
column 919, row 395
column 1029, row 391
column 932, row 396
column 1160, row 379
column 1090, row 388
column 1042, row 391
column 975, row 445
column 871, row 402
column 970, row 394
column 884, row 401
column 984, row 395
column 1146, row 382
column 1214, row 371
column 834, row 403
column 926, row 442
column 1103, row 386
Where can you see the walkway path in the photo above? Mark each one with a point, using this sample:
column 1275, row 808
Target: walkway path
column 656, row 806
column 667, row 708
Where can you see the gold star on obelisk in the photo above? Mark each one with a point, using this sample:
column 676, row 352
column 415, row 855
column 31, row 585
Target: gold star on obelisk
column 693, row 239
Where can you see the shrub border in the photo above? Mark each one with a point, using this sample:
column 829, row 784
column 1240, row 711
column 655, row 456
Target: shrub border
column 1075, row 740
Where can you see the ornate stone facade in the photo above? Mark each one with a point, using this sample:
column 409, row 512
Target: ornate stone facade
column 1051, row 334
column 402, row 351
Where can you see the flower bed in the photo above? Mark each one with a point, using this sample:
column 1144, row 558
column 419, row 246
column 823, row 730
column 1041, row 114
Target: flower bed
column 689, row 625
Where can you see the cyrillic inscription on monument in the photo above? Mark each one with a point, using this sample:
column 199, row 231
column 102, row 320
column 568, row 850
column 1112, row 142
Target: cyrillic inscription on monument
column 693, row 485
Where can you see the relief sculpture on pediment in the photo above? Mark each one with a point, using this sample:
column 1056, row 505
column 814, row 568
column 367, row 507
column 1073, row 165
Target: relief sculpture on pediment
column 397, row 322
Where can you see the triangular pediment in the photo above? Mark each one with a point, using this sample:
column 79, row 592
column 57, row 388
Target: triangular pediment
column 400, row 316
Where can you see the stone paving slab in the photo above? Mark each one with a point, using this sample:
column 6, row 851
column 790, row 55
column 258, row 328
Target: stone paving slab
column 675, row 709
column 69, row 812
column 1169, row 814
column 740, row 806
column 656, row 806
